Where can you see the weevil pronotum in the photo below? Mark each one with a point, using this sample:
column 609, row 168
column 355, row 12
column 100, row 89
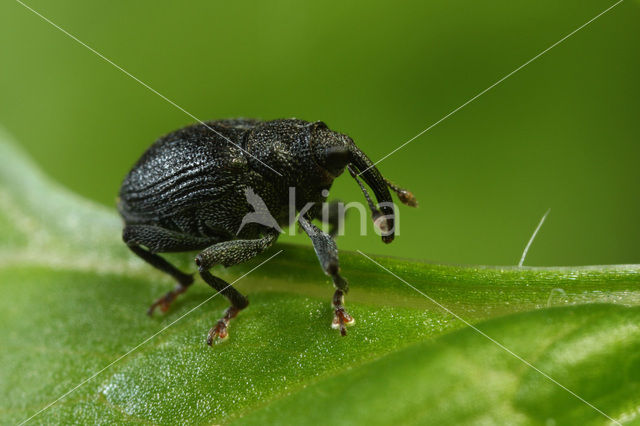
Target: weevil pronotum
column 188, row 193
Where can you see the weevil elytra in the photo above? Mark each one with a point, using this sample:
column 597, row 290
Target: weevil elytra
column 188, row 193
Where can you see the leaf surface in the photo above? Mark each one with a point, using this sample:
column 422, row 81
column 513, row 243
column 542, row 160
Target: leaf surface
column 74, row 302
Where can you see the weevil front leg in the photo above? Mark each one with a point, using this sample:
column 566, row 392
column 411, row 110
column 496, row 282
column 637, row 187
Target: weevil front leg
column 327, row 253
column 335, row 217
column 229, row 253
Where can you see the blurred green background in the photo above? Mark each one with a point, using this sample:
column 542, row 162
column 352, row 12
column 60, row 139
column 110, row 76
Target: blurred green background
column 563, row 133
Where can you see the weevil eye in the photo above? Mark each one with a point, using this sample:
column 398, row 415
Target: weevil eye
column 333, row 159
column 331, row 150
column 320, row 125
column 336, row 159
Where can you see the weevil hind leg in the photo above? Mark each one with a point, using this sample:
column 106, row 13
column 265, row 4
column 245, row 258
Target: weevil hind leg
column 160, row 240
column 327, row 253
column 184, row 280
column 164, row 302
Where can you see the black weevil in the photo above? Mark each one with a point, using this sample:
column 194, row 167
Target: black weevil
column 187, row 193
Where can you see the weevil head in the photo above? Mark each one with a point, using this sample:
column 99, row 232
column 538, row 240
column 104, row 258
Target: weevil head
column 334, row 152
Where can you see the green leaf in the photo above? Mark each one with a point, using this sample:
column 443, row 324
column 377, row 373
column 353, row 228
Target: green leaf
column 73, row 302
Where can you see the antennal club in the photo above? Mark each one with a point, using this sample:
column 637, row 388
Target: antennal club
column 405, row 196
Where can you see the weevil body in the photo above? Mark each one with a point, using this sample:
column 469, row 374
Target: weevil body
column 189, row 192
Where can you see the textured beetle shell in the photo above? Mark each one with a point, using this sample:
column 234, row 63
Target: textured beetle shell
column 192, row 181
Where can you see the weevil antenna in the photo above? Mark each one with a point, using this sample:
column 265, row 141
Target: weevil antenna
column 374, row 210
column 405, row 196
column 376, row 215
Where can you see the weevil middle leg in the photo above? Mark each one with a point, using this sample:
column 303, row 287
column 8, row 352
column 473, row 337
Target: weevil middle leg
column 229, row 253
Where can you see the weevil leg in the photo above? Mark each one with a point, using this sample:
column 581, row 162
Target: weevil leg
column 164, row 302
column 341, row 317
column 238, row 303
column 336, row 214
column 229, row 253
column 157, row 240
column 327, row 253
column 184, row 280
column 232, row 252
